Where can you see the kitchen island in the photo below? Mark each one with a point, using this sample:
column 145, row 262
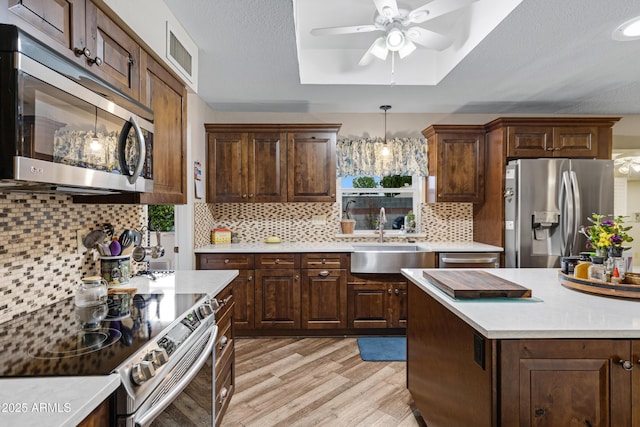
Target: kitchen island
column 561, row 357
column 68, row 400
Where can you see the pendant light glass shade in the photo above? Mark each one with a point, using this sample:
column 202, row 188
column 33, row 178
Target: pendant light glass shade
column 386, row 152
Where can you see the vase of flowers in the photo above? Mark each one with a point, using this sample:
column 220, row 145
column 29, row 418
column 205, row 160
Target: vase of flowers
column 604, row 236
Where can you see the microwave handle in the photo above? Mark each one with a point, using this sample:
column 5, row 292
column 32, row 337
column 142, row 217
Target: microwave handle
column 122, row 143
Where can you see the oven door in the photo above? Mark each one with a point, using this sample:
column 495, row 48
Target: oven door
column 186, row 396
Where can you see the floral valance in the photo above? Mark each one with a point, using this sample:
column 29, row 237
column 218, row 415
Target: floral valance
column 363, row 156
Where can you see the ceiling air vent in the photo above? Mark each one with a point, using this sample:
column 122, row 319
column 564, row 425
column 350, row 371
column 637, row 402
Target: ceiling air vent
column 179, row 55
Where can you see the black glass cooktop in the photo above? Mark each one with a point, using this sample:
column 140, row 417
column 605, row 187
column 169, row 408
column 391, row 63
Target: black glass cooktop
column 63, row 339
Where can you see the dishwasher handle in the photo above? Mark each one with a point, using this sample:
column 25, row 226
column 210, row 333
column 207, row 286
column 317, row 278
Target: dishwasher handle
column 469, row 260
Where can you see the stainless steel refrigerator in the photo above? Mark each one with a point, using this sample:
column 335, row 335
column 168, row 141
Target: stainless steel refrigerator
column 546, row 202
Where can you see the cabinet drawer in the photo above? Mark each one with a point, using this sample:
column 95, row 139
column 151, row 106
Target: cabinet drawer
column 226, row 303
column 277, row 261
column 224, row 261
column 225, row 336
column 225, row 386
column 326, row 260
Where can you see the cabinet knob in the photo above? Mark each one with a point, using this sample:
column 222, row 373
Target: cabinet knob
column 297, row 277
column 250, row 195
column 223, row 342
column 244, row 196
column 223, row 394
column 97, row 60
column 397, row 292
column 82, row 52
column 389, row 291
column 226, row 261
column 250, row 278
column 333, row 195
column 324, row 260
column 626, row 364
column 277, row 261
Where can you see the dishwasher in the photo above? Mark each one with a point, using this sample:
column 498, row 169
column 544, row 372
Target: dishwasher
column 468, row 260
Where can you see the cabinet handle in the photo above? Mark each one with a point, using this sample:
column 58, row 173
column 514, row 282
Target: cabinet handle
column 223, row 394
column 333, row 195
column 277, row 261
column 389, row 291
column 244, row 196
column 397, row 292
column 97, row 60
column 324, row 260
column 626, row 365
column 250, row 278
column 250, row 195
column 549, row 148
column 297, row 277
column 223, row 342
column 226, row 261
column 324, row 273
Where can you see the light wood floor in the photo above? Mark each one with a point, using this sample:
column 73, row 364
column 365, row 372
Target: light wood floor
column 311, row 382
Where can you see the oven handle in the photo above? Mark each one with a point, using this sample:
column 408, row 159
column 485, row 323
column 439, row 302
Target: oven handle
column 469, row 260
column 166, row 400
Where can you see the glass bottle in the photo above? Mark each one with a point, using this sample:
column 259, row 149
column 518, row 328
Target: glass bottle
column 597, row 270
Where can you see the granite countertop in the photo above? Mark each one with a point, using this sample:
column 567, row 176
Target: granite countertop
column 285, row 247
column 553, row 311
column 65, row 401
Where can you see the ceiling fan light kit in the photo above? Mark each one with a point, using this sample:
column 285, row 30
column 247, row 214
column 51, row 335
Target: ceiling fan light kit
column 397, row 22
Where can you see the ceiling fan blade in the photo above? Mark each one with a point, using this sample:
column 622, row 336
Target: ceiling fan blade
column 387, row 8
column 436, row 8
column 331, row 31
column 378, row 49
column 428, row 38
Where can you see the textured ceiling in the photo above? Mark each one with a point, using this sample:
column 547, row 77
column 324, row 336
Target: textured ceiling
column 547, row 57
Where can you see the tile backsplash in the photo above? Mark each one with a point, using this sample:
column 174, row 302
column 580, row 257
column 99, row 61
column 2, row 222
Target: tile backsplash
column 39, row 260
column 292, row 222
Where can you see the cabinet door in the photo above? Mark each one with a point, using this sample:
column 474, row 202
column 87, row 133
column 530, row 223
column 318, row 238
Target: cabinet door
column 311, row 164
column 529, row 141
column 368, row 305
column 635, row 382
column 61, row 20
column 456, row 163
column 166, row 96
column 267, row 167
column 277, row 297
column 324, row 297
column 243, row 294
column 399, row 305
column 565, row 382
column 573, row 141
column 115, row 56
column 227, row 178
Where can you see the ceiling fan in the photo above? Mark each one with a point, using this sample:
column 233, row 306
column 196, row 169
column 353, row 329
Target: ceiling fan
column 398, row 25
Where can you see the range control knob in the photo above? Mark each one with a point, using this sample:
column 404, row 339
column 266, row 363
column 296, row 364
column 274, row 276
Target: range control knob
column 205, row 310
column 157, row 357
column 141, row 372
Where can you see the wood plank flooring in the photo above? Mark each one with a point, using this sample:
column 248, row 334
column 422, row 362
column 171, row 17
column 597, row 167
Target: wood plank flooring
column 316, row 382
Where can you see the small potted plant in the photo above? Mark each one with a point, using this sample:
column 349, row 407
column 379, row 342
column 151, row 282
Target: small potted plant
column 606, row 235
column 347, row 223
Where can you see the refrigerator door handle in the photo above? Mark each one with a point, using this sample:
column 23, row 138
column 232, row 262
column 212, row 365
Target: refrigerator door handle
column 575, row 188
column 567, row 209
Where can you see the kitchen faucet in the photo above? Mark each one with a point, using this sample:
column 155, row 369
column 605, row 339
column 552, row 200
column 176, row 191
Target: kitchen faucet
column 382, row 220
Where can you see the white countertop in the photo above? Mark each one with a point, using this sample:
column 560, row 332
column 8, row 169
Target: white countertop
column 553, row 311
column 285, row 247
column 65, row 401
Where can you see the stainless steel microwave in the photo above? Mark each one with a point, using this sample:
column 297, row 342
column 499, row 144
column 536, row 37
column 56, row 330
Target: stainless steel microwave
column 64, row 129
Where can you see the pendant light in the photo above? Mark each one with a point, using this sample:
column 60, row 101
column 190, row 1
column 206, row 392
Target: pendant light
column 385, row 147
column 95, row 145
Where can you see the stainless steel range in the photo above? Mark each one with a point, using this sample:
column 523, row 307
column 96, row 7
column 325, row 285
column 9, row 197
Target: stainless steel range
column 157, row 342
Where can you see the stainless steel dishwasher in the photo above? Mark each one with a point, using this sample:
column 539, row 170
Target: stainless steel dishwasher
column 468, row 260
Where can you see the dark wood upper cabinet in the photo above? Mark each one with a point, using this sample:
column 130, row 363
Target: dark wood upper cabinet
column 456, row 163
column 249, row 163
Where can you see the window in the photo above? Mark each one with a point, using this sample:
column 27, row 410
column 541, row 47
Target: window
column 396, row 194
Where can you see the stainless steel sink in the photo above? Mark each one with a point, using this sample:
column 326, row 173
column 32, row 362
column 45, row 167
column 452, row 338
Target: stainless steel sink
column 389, row 258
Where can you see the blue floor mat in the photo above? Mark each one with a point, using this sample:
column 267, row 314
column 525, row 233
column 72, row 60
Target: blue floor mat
column 383, row 349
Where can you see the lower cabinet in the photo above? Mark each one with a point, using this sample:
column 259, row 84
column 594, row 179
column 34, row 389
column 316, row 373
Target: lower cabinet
column 277, row 299
column 377, row 301
column 225, row 353
column 324, row 291
column 99, row 417
column 516, row 382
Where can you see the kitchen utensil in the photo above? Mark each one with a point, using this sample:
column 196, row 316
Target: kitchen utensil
column 108, row 229
column 141, row 254
column 137, row 237
column 114, row 247
column 103, row 249
column 126, row 239
column 158, row 250
column 92, row 238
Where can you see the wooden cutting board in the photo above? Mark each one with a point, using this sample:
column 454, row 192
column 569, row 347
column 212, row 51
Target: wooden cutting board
column 466, row 284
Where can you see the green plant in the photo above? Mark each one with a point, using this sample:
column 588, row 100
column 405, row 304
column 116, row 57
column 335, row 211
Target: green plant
column 364, row 182
column 395, row 181
column 602, row 235
column 161, row 217
column 346, row 213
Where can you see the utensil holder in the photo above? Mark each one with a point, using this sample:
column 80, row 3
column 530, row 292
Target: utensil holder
column 116, row 270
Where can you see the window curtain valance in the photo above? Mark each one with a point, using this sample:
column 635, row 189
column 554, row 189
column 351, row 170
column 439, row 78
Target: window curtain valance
column 363, row 156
